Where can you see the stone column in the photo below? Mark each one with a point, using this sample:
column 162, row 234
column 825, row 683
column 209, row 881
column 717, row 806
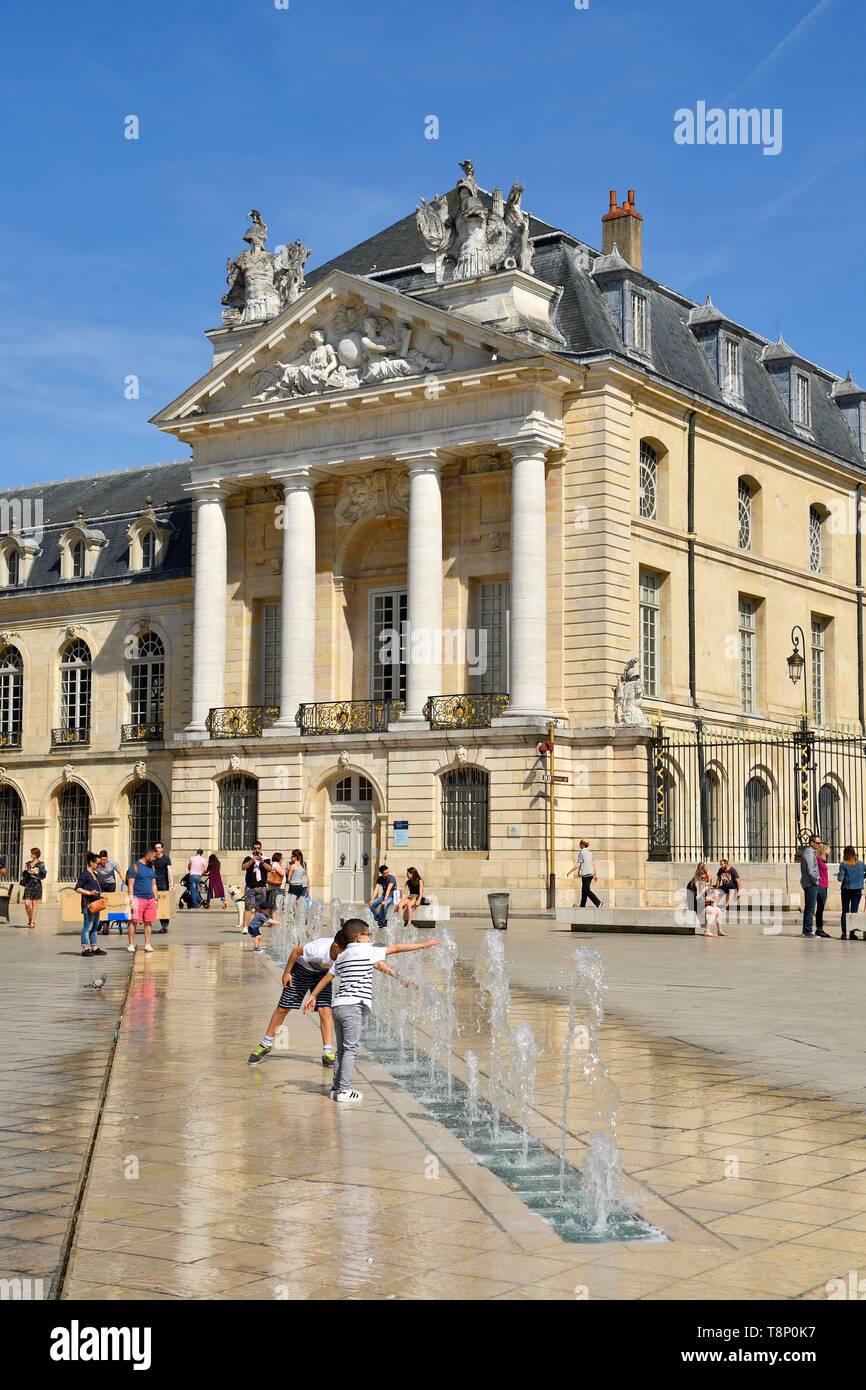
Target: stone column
column 527, row 634
column 424, row 584
column 209, row 603
column 298, row 612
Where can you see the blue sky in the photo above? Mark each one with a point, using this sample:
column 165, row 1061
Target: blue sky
column 114, row 250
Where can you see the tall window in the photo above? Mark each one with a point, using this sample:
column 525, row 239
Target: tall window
column 648, row 480
column 74, row 831
column 75, row 671
column 744, row 514
column 145, row 818
column 271, row 654
column 491, row 651
column 650, row 631
column 713, row 814
column 147, row 680
column 828, row 820
column 388, row 613
column 819, row 692
column 465, row 809
column 148, row 550
column 76, row 556
column 11, row 695
column 757, row 809
column 13, row 566
column 802, row 400
column 748, row 649
column 731, row 366
column 816, row 540
column 10, row 830
column 638, row 321
column 238, row 812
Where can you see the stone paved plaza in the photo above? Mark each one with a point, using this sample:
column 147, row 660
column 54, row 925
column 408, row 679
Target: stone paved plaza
column 166, row 1167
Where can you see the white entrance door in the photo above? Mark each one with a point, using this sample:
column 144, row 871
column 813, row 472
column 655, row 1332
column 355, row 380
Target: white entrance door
column 351, row 838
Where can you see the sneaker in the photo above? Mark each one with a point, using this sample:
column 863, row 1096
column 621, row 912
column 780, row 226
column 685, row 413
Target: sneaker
column 98, row 952
column 348, row 1097
column 823, row 933
column 329, row 1057
column 257, row 950
column 161, row 931
column 807, row 933
column 258, row 1054
column 131, row 950
column 148, row 947
column 332, row 1094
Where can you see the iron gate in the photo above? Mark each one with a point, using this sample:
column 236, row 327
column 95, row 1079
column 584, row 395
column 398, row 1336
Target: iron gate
column 754, row 796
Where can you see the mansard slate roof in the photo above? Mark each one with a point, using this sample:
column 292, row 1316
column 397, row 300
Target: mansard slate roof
column 395, row 257
column 109, row 503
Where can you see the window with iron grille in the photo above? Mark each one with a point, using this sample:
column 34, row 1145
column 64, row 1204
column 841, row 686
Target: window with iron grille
column 492, row 646
column 757, row 808
column 803, row 399
column 388, row 613
column 11, row 694
column 75, row 673
column 13, row 566
column 744, row 514
column 816, row 540
column 650, row 630
column 147, row 684
column 271, row 615
column 465, row 809
column 828, row 820
column 145, row 818
column 148, row 550
column 648, row 480
column 77, row 559
column 10, row 831
column 748, row 609
column 238, row 812
column 819, row 692
column 74, row 831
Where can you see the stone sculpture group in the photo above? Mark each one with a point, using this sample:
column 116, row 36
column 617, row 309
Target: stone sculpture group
column 468, row 238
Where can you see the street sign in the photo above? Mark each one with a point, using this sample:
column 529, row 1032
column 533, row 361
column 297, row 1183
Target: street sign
column 546, row 777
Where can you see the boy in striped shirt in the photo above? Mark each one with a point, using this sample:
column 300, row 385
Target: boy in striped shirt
column 352, row 972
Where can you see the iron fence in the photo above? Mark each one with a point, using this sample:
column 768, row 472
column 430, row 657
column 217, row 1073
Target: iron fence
column 754, row 796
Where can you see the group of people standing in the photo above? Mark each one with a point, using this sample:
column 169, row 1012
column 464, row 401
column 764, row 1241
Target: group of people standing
column 815, row 881
column 267, row 879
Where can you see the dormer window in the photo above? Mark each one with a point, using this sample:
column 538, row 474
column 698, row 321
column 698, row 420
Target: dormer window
column 80, row 545
column 732, row 368
column 148, row 540
column 638, row 335
column 17, row 554
column 802, row 400
column 626, row 298
column 148, row 550
column 77, row 560
column 790, row 373
column 13, row 567
column 851, row 400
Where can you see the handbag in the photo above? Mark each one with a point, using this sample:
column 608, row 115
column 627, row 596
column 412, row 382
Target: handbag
column 97, row 905
column 274, row 879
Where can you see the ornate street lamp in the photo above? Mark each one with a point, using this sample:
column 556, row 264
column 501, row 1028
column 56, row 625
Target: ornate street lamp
column 797, row 663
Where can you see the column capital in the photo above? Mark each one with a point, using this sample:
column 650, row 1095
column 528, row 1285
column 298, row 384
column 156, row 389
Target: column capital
column 213, row 491
column 531, row 446
column 296, row 479
column 420, row 460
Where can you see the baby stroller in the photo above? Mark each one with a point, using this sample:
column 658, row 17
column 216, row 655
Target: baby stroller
column 185, row 899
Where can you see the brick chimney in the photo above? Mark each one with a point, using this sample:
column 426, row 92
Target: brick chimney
column 623, row 227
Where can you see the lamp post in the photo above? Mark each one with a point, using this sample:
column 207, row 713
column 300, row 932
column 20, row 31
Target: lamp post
column 805, row 766
column 797, row 664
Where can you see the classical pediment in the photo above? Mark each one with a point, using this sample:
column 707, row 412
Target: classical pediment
column 346, row 335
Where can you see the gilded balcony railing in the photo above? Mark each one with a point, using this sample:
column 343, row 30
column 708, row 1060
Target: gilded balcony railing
column 141, row 733
column 242, row 721
column 10, row 738
column 349, row 716
column 464, row 711
column 65, row 738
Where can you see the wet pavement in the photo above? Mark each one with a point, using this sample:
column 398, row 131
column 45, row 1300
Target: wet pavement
column 742, row 1129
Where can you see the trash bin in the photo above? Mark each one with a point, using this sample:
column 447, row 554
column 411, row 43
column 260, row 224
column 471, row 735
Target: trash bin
column 499, row 910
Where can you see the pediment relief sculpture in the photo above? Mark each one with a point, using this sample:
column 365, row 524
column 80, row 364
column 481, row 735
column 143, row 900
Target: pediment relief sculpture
column 469, row 239
column 486, row 463
column 372, row 494
column 261, row 283
column 357, row 348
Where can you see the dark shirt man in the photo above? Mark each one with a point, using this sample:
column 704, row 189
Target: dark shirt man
column 255, row 867
column 164, row 878
column 386, row 887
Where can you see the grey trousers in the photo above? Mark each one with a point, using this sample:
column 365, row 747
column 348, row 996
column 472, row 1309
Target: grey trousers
column 347, row 1027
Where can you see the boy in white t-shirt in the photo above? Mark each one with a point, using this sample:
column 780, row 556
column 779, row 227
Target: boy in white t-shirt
column 304, row 969
column 353, row 972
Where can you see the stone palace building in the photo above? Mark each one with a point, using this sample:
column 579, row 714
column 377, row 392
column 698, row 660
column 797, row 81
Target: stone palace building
column 470, row 477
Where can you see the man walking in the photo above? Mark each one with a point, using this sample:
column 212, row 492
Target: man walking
column 196, row 866
column 164, row 879
column 141, row 886
column 109, row 878
column 585, row 869
column 810, row 879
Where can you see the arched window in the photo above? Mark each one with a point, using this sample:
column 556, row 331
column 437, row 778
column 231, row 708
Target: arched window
column 648, row 480
column 148, row 550
column 76, row 559
column 828, row 819
column 744, row 515
column 75, row 673
column 74, row 831
column 10, row 830
column 816, row 540
column 757, row 809
column 13, row 566
column 145, row 818
column 238, row 812
column 353, row 789
column 11, row 697
column 465, row 809
column 147, row 684
column 713, row 815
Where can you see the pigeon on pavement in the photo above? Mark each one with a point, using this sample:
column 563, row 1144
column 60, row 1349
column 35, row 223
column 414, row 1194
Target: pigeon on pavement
column 96, row 984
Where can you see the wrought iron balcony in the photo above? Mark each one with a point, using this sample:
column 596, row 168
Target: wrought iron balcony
column 464, row 711
column 242, row 721
column 349, row 716
column 67, row 738
column 10, row 738
column 141, row 733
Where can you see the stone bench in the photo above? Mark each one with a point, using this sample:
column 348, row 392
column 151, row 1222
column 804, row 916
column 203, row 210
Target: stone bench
column 431, row 915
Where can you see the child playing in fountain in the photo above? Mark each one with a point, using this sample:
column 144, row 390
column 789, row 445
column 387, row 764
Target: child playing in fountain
column 304, row 969
column 352, row 968
column 265, row 917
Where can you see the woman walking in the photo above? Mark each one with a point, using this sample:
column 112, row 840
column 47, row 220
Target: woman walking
column 585, row 870
column 215, row 887
column 851, row 874
column 823, row 884
column 704, row 900
column 90, row 891
column 32, row 874
column 412, row 895
column 297, row 878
